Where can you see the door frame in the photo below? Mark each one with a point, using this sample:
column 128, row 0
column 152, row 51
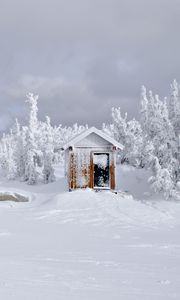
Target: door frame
column 92, row 156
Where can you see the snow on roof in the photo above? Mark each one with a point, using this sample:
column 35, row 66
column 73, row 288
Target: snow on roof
column 87, row 132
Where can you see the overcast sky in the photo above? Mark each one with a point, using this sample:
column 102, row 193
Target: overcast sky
column 84, row 56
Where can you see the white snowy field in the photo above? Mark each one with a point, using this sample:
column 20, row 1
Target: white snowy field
column 88, row 245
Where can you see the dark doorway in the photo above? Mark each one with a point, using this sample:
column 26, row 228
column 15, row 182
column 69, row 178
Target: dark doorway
column 101, row 170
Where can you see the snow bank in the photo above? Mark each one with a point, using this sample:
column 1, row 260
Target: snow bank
column 107, row 208
column 89, row 245
column 57, row 205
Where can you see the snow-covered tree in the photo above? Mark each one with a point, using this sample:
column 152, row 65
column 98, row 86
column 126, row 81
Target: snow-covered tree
column 147, row 154
column 31, row 172
column 174, row 107
column 161, row 180
column 119, row 125
column 159, row 122
column 144, row 109
column 48, row 153
column 10, row 166
column 30, row 152
column 129, row 134
column 155, row 140
column 134, row 143
column 19, row 148
column 3, row 153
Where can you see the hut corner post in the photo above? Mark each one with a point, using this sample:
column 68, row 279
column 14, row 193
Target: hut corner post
column 113, row 170
column 71, row 171
column 91, row 172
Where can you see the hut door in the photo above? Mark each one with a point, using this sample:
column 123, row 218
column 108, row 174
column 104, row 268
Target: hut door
column 101, row 170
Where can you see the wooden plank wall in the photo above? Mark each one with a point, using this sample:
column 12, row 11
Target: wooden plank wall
column 91, row 172
column 112, row 175
column 72, row 171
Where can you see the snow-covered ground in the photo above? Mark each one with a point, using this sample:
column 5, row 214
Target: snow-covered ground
column 89, row 245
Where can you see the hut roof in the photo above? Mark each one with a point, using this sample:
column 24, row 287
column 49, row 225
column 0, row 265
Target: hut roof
column 89, row 131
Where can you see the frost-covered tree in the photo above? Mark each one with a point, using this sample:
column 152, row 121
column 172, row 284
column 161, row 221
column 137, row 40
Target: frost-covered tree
column 129, row 134
column 119, row 130
column 3, row 153
column 144, row 109
column 31, row 173
column 31, row 159
column 10, row 163
column 161, row 181
column 119, row 125
column 174, row 107
column 30, row 152
column 48, row 170
column 19, row 148
column 159, row 122
column 147, row 154
column 154, row 142
column 48, row 153
column 134, row 143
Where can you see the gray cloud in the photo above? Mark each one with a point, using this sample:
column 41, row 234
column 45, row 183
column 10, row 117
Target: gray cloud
column 84, row 56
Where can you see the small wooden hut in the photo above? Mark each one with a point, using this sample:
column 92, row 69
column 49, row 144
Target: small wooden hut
column 90, row 160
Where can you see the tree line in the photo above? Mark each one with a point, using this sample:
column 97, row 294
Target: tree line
column 30, row 152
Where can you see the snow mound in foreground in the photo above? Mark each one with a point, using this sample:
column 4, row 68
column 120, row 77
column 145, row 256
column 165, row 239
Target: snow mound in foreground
column 107, row 208
column 54, row 204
